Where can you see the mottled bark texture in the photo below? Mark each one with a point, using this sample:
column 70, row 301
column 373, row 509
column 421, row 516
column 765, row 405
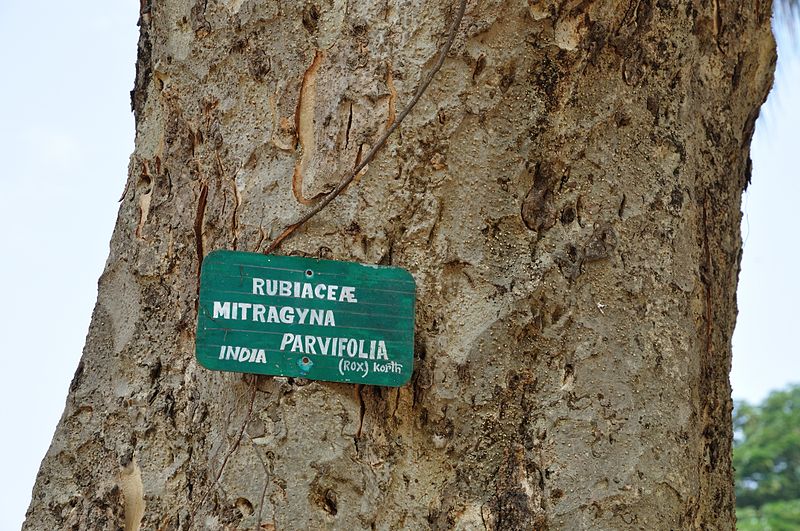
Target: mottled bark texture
column 566, row 195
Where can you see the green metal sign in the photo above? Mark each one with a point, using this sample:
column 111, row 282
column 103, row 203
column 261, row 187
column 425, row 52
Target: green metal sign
column 306, row 318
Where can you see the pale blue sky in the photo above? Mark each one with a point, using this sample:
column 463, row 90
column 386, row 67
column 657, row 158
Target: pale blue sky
column 66, row 133
column 766, row 354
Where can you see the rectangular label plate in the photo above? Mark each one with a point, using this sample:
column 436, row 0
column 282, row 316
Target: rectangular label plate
column 306, row 318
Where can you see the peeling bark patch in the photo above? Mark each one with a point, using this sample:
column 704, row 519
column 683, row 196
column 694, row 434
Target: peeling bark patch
column 570, row 261
column 633, row 69
column 311, row 18
column 749, row 128
column 480, row 64
column 282, row 125
column 144, row 65
column 322, row 496
column 538, row 212
column 517, row 503
column 130, row 483
column 260, row 64
column 144, row 189
column 77, row 377
column 508, row 75
column 717, row 24
column 244, row 505
column 567, row 215
column 716, row 265
column 547, row 78
column 304, row 125
column 600, row 245
column 329, row 502
column 675, row 202
column 362, row 410
column 200, row 25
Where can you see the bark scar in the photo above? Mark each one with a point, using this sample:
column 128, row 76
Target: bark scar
column 198, row 228
column 717, row 25
column 304, row 125
column 392, row 112
column 349, row 125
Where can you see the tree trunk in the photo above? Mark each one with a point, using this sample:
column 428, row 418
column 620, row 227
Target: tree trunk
column 566, row 195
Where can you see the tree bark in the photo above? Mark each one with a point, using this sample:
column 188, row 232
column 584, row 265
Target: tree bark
column 566, row 195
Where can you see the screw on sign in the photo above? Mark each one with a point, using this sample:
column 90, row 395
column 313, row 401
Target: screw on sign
column 306, row 318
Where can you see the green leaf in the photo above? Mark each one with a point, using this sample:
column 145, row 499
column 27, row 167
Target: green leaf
column 766, row 452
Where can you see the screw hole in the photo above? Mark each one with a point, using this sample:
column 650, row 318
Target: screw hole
column 309, row 273
column 306, row 361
